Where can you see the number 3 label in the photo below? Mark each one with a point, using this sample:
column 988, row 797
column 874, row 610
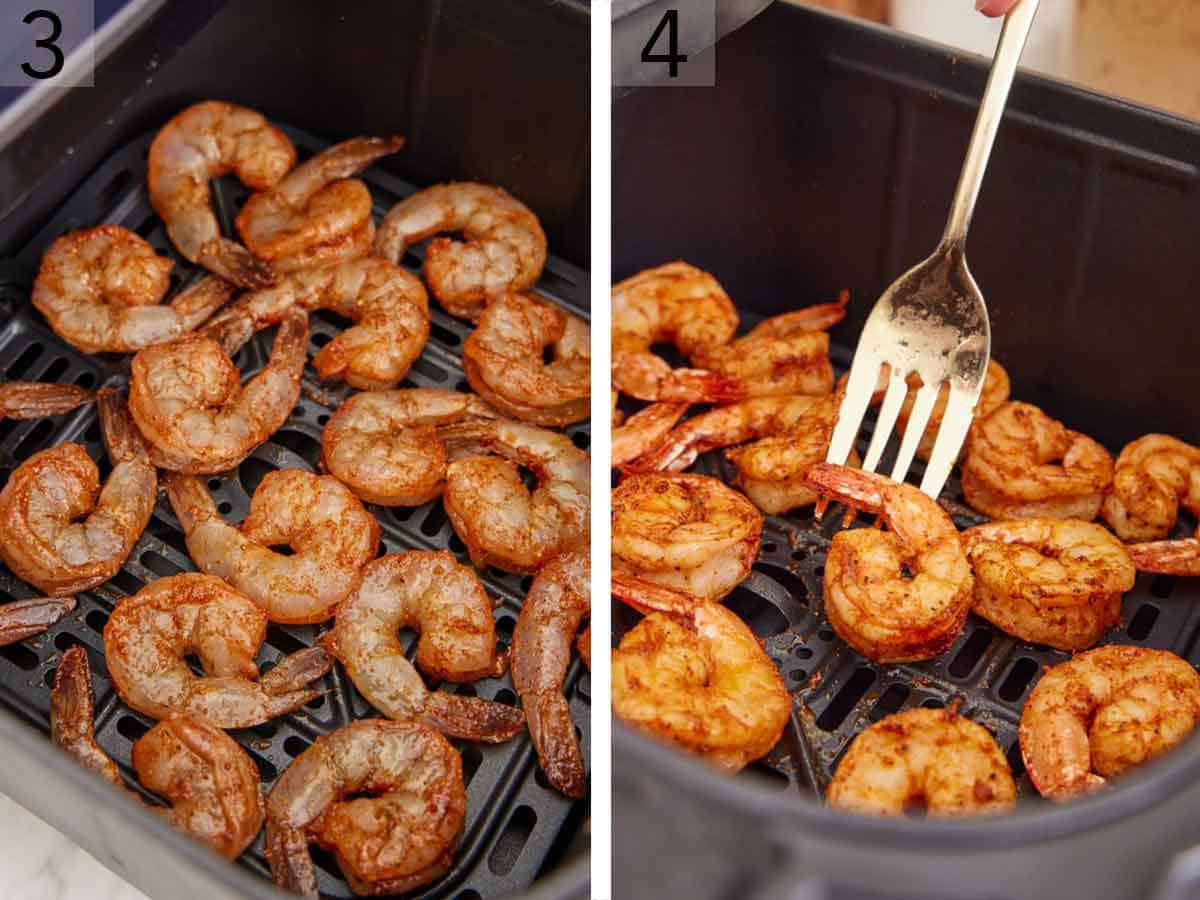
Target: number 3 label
column 48, row 42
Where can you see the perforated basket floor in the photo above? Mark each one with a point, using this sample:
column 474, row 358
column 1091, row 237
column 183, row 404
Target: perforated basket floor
column 836, row 693
column 517, row 825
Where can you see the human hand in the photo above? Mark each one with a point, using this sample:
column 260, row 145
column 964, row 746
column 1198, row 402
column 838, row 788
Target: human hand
column 994, row 7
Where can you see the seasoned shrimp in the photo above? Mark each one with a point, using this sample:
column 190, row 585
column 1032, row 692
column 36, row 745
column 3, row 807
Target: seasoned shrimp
column 558, row 601
column 149, row 635
column 1050, row 581
column 99, row 289
column 644, row 431
column 211, row 782
column 20, row 619
column 444, row 601
column 690, row 533
column 35, row 399
column 678, row 304
column 786, row 354
column 871, row 601
column 1180, row 557
column 1022, row 464
column 693, row 674
column 59, row 530
column 399, row 838
column 1153, row 477
column 502, row 359
column 189, row 403
column 933, row 757
column 384, row 446
column 318, row 213
column 502, row 522
column 206, row 140
column 504, row 248
column 387, row 305
column 1103, row 712
column 332, row 534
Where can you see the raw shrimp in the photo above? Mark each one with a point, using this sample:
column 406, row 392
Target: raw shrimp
column 787, row 354
column 1153, row 477
column 188, row 400
column 35, row 399
column 318, row 213
column 211, row 782
column 149, row 635
column 1103, row 712
column 206, row 140
column 693, row 674
column 384, row 446
column 1180, row 557
column 690, row 533
column 20, row 619
column 399, row 838
column 504, row 248
column 558, row 601
column 1022, row 464
column 644, row 431
column 678, row 304
column 1049, row 581
column 870, row 599
column 502, row 522
column 933, row 757
column 59, row 530
column 388, row 306
column 503, row 361
column 332, row 534
column 444, row 601
column 100, row 291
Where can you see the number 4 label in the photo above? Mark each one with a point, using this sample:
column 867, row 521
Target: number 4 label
column 669, row 23
column 666, row 43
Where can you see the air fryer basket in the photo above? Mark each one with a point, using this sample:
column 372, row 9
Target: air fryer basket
column 838, row 147
column 518, row 827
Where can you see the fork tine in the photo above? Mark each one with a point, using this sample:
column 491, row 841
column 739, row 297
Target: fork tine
column 896, row 390
column 960, row 410
column 864, row 375
column 917, row 421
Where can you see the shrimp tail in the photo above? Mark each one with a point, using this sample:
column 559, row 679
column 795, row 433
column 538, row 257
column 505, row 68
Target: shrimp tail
column 1180, row 557
column 645, row 431
column 25, row 618
column 291, row 864
column 72, row 715
column 863, row 490
column 195, row 304
column 472, row 718
column 553, row 733
column 190, row 499
column 351, row 157
column 235, row 263
column 296, row 671
column 121, row 436
column 34, row 399
column 647, row 597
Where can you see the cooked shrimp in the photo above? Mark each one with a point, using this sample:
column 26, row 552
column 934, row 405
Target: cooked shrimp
column 502, row 522
column 384, row 446
column 870, row 599
column 444, row 601
column 678, row 304
column 20, row 619
column 644, row 431
column 59, row 530
column 401, row 837
column 35, row 399
column 332, row 534
column 1153, row 477
column 1022, row 464
column 504, row 248
column 786, row 354
column 386, row 303
column 1049, row 581
column 149, row 635
column 189, row 403
column 99, row 289
column 1180, row 557
column 210, row 781
column 200, row 143
column 558, row 601
column 933, row 757
column 318, row 213
column 689, row 533
column 1103, row 712
column 502, row 359
column 693, row 674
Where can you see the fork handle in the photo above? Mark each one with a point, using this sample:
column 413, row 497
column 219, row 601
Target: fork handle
column 991, row 109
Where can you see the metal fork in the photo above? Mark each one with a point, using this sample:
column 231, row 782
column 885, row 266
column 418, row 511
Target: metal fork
column 932, row 320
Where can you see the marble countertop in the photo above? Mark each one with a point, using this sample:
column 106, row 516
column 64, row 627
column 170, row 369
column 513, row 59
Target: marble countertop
column 39, row 863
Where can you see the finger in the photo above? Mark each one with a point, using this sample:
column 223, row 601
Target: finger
column 994, row 7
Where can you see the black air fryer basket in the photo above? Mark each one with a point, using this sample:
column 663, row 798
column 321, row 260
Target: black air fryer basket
column 492, row 91
column 825, row 158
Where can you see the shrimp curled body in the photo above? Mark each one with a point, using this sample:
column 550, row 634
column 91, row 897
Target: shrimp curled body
column 1154, row 476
